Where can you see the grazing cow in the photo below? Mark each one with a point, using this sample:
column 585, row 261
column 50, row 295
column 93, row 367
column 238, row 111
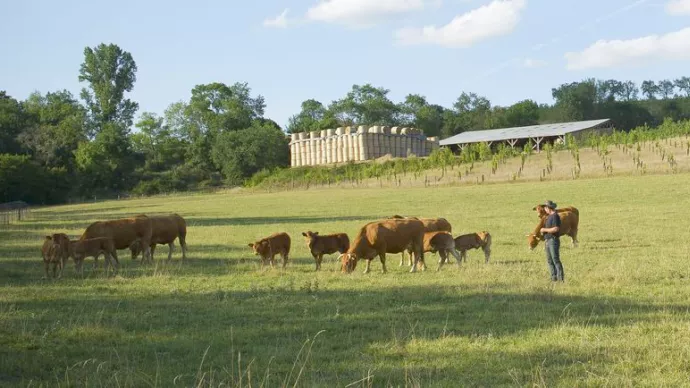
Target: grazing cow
column 430, row 225
column 124, row 232
column 62, row 242
column 268, row 247
column 469, row 241
column 94, row 247
column 569, row 224
column 443, row 243
column 392, row 235
column 329, row 244
column 51, row 255
column 164, row 230
column 541, row 213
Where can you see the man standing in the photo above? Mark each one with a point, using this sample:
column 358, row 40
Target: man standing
column 551, row 232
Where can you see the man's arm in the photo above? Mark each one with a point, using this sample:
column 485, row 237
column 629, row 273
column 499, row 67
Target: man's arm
column 553, row 229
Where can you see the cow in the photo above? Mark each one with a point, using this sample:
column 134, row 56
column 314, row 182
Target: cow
column 569, row 225
column 124, row 232
column 62, row 245
column 268, row 247
column 482, row 240
column 542, row 213
column 165, row 229
column 94, row 247
column 392, row 235
column 50, row 251
column 443, row 243
column 430, row 225
column 329, row 244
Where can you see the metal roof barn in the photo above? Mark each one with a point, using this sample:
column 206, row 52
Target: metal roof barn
column 535, row 133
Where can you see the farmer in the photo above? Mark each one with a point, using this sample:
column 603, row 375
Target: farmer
column 551, row 232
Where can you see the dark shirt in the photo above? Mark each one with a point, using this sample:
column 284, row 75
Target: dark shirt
column 553, row 220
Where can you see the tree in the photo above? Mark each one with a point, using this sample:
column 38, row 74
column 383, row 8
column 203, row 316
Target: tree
column 12, row 121
column 666, row 88
column 628, row 91
column 576, row 100
column 470, row 112
column 313, row 117
column 110, row 72
column 683, row 84
column 365, row 105
column 523, row 113
column 55, row 128
column 650, row 89
column 155, row 141
column 240, row 154
column 217, row 107
column 416, row 112
column 608, row 90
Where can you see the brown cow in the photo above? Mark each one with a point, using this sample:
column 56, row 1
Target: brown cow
column 51, row 255
column 94, row 247
column 469, row 241
column 392, row 235
column 62, row 242
column 443, row 243
column 430, row 225
column 123, row 232
column 569, row 225
column 267, row 248
column 542, row 213
column 165, row 229
column 329, row 244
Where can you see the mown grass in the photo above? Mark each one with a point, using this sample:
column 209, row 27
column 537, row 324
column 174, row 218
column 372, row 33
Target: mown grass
column 620, row 319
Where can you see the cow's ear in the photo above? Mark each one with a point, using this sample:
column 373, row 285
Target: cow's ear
column 251, row 245
column 316, row 233
column 48, row 238
column 304, row 234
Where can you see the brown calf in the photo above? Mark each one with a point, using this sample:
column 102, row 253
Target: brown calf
column 325, row 245
column 51, row 255
column 123, row 232
column 443, row 243
column 430, row 225
column 469, row 241
column 94, row 247
column 267, row 248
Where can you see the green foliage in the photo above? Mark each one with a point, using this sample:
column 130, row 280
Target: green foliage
column 22, row 179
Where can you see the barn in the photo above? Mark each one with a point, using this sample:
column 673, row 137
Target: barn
column 536, row 135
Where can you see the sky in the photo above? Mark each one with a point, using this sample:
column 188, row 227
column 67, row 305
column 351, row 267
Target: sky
column 289, row 51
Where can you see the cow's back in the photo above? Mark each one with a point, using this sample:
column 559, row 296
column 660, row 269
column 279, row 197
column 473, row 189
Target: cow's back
column 122, row 231
column 395, row 235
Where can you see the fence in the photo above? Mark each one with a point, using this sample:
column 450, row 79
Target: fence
column 14, row 211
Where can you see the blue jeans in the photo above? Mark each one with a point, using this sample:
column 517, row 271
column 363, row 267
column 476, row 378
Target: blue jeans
column 553, row 259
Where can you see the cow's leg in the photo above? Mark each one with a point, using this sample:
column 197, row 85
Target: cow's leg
column 402, row 258
column 45, row 266
column 458, row 258
column 319, row 260
column 284, row 255
column 382, row 257
column 183, row 244
column 442, row 260
column 171, row 246
column 116, row 260
column 366, row 269
column 574, row 236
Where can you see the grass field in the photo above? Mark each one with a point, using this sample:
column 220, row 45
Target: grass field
column 620, row 319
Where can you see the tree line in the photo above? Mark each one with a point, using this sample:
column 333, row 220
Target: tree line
column 56, row 147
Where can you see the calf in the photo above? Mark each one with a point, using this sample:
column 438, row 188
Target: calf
column 443, row 243
column 94, row 247
column 164, row 230
column 469, row 241
column 329, row 244
column 51, row 255
column 267, row 248
column 377, row 238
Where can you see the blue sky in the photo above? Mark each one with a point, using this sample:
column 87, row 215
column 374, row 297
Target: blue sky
column 292, row 50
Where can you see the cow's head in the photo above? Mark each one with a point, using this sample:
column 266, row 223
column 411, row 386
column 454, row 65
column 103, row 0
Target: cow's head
column 136, row 248
column 533, row 240
column 348, row 262
column 485, row 243
column 260, row 248
column 541, row 211
column 310, row 237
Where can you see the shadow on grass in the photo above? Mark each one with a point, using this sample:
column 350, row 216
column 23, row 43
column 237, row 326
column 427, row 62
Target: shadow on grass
column 428, row 333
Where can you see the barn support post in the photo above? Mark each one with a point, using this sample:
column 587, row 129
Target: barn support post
column 537, row 143
column 512, row 142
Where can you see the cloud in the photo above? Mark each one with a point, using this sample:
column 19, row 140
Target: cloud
column 363, row 13
column 614, row 53
column 497, row 18
column 279, row 21
column 533, row 63
column 678, row 7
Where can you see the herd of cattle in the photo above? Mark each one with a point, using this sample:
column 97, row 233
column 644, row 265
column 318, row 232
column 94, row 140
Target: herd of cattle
column 396, row 234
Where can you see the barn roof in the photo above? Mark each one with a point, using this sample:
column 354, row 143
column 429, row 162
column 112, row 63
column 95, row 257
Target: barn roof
column 526, row 132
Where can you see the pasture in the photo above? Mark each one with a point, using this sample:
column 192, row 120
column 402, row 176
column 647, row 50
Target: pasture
column 620, row 319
